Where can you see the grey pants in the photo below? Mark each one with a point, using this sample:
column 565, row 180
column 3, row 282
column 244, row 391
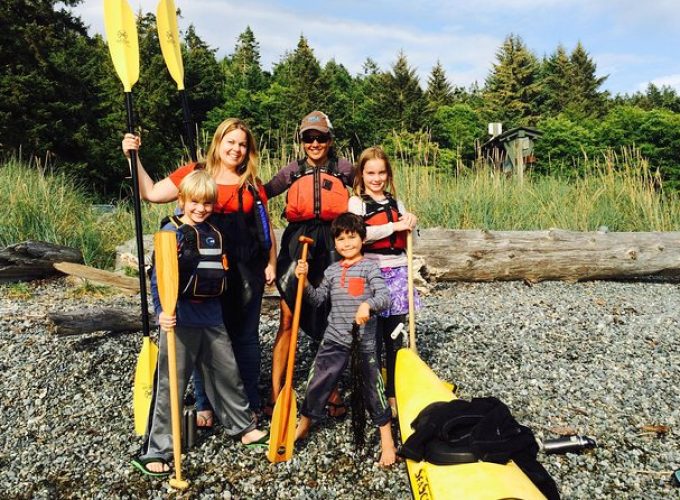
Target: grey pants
column 331, row 360
column 210, row 349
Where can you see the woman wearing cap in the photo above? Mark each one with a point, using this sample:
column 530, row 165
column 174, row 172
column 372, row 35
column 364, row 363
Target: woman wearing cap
column 317, row 188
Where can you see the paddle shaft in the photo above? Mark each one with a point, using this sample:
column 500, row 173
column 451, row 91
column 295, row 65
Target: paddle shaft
column 167, row 274
column 188, row 125
column 139, row 231
column 285, row 412
column 411, row 301
column 174, row 408
column 296, row 317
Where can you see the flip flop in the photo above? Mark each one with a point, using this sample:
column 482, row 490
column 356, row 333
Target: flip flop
column 204, row 422
column 141, row 464
column 262, row 443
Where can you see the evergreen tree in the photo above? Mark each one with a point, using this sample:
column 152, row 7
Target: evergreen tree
column 296, row 89
column 586, row 99
column 556, row 80
column 157, row 104
column 202, row 76
column 404, row 96
column 243, row 85
column 439, row 91
column 45, row 96
column 654, row 97
column 370, row 67
column 512, row 89
column 369, row 124
column 338, row 100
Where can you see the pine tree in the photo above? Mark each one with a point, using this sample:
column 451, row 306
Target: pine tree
column 338, row 99
column 439, row 91
column 512, row 90
column 586, row 98
column 45, row 91
column 202, row 76
column 403, row 99
column 556, row 80
column 296, row 88
column 242, row 86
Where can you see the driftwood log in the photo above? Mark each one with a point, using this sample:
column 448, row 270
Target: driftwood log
column 33, row 260
column 117, row 320
column 125, row 283
column 555, row 254
column 456, row 255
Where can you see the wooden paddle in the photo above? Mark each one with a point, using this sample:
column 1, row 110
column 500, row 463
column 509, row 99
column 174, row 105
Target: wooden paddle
column 168, row 36
column 167, row 274
column 121, row 32
column 282, row 430
column 411, row 300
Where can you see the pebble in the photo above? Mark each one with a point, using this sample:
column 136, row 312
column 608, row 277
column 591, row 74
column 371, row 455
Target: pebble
column 601, row 358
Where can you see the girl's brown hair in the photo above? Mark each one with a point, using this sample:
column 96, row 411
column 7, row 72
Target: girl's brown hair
column 373, row 153
column 249, row 169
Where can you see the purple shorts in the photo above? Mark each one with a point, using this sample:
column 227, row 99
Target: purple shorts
column 396, row 279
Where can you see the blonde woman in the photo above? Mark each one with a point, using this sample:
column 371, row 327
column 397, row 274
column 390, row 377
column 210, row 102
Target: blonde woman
column 232, row 161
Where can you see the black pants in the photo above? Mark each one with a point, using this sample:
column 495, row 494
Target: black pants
column 384, row 336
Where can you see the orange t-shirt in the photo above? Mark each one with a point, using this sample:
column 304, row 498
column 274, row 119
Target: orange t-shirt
column 227, row 194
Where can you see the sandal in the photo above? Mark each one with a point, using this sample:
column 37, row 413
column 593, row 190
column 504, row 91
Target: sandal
column 262, row 443
column 141, row 464
column 204, row 420
column 336, row 410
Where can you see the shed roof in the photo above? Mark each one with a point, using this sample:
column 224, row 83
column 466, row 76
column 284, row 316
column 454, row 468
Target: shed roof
column 512, row 134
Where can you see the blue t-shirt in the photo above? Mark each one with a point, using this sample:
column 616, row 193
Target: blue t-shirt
column 190, row 312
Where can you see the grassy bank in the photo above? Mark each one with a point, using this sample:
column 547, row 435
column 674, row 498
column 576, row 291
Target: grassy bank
column 622, row 194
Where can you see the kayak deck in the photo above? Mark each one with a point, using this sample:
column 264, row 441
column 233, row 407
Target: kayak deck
column 416, row 387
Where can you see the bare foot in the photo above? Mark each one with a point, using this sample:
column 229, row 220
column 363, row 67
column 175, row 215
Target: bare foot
column 204, row 419
column 388, row 456
column 157, row 467
column 388, row 452
column 254, row 436
column 302, row 430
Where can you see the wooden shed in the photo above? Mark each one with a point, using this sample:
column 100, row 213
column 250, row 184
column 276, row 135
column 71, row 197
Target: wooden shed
column 512, row 150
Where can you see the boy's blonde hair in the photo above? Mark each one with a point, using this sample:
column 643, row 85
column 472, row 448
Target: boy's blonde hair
column 198, row 186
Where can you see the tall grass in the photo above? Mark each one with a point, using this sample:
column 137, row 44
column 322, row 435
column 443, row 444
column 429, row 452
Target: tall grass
column 617, row 191
column 42, row 205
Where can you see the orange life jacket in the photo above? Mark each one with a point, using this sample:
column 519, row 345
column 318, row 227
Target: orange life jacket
column 316, row 193
column 383, row 213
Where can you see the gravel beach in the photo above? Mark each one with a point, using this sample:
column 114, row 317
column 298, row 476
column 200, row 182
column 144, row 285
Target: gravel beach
column 596, row 358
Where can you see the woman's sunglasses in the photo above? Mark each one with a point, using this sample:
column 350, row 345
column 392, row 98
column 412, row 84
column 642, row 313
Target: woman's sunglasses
column 321, row 139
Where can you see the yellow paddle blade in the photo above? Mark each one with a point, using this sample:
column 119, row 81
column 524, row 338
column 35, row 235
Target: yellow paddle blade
column 167, row 269
column 143, row 389
column 121, row 34
column 168, row 35
column 282, row 430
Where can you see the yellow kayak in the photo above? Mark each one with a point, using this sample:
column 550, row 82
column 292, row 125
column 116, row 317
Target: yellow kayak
column 416, row 387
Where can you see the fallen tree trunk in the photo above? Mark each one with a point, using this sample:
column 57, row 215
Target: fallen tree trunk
column 455, row 255
column 32, row 260
column 125, row 283
column 117, row 320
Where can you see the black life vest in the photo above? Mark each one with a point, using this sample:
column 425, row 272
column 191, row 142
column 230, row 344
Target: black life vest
column 379, row 214
column 316, row 193
column 202, row 260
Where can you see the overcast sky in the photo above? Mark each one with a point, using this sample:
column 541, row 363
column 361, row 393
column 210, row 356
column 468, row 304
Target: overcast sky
column 633, row 41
